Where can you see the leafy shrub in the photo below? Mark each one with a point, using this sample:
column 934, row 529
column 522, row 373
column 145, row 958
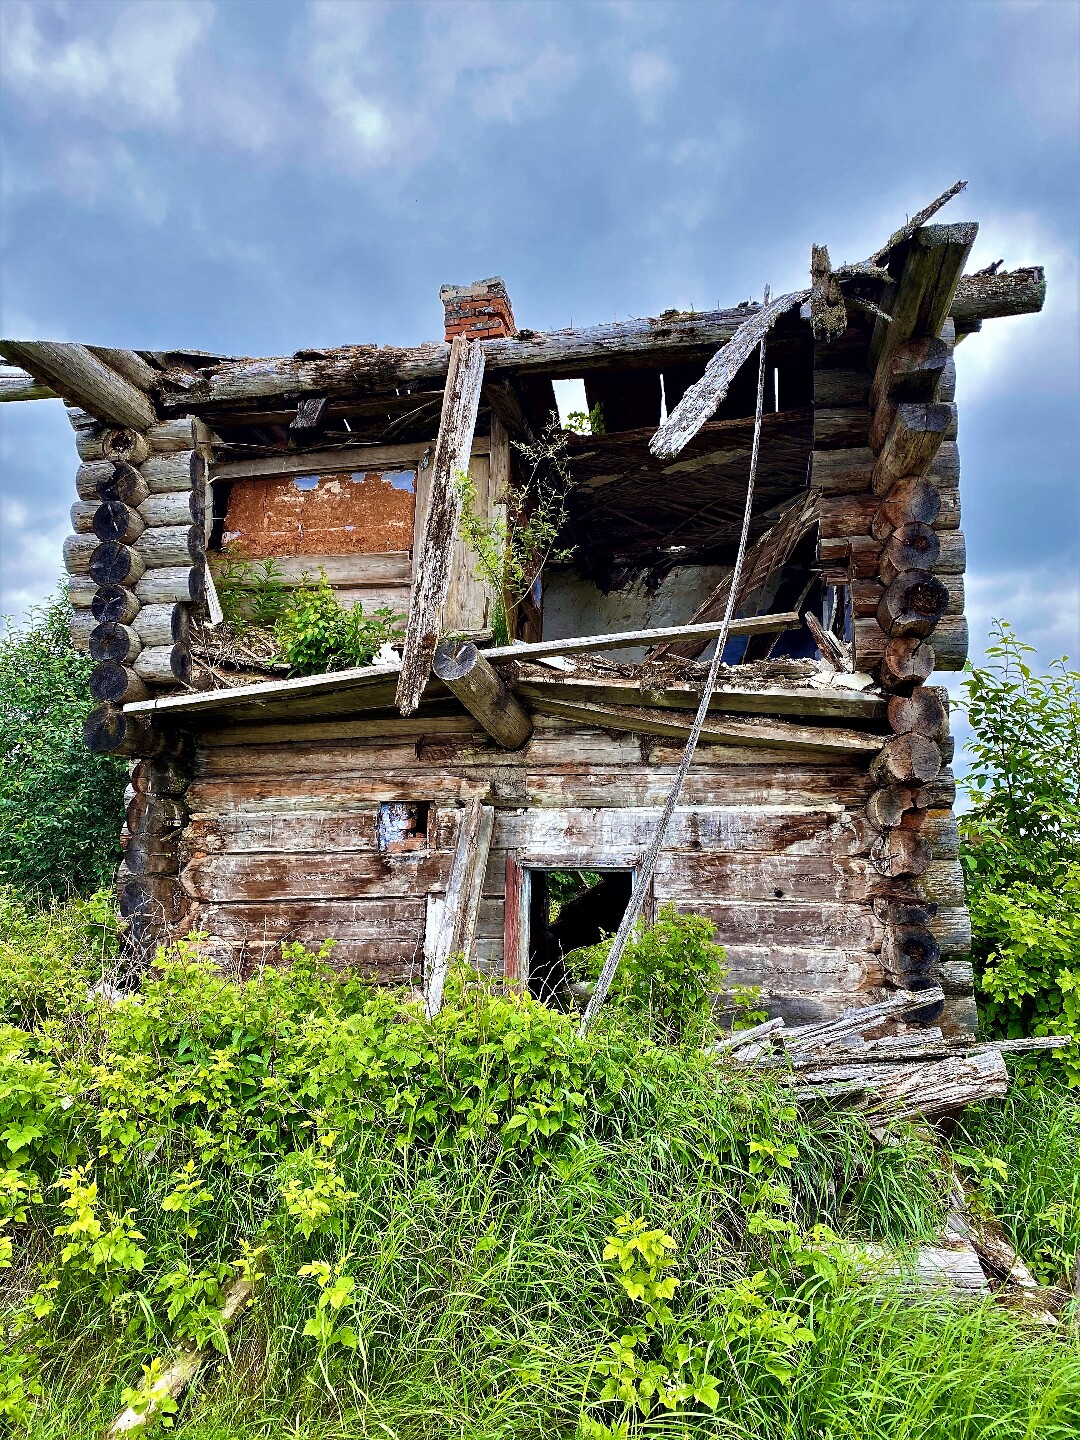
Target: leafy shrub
column 252, row 593
column 669, row 971
column 1021, row 844
column 61, row 808
column 317, row 634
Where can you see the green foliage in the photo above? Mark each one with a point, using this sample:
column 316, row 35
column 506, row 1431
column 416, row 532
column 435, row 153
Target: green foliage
column 1023, row 1156
column 316, row 633
column 669, row 972
column 566, row 885
column 591, row 422
column 511, row 548
column 252, row 593
column 61, row 808
column 429, row 1201
column 1021, row 845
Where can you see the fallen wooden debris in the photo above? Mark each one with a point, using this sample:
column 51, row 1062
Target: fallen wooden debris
column 586, row 644
column 184, row 1366
column 894, row 1077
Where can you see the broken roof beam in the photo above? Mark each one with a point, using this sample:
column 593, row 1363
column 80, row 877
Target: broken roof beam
column 77, row 374
column 586, row 644
column 701, row 400
column 992, row 295
column 461, row 401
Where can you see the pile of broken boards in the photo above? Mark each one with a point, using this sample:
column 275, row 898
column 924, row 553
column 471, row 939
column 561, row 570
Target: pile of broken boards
column 918, row 1076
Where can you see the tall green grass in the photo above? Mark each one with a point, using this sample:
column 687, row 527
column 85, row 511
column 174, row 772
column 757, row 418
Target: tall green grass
column 480, row 1295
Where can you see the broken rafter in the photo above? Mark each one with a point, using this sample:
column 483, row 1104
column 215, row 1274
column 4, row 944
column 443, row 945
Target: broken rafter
column 585, row 644
column 461, row 400
column 699, row 403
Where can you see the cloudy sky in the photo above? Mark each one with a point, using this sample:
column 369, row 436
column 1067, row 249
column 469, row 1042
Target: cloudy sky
column 259, row 177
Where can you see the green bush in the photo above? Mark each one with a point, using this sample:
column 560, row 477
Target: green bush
column 669, row 973
column 1021, row 845
column 61, row 808
column 427, row 1203
column 316, row 633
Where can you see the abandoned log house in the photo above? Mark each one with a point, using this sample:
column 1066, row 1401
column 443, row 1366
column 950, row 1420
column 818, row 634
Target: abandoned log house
column 415, row 808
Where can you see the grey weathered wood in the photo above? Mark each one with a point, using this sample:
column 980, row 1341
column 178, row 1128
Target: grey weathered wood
column 113, row 683
column 920, row 713
column 587, row 644
column 482, row 691
column 828, row 315
column 164, row 665
column 111, row 640
column 700, row 401
column 169, row 471
column 77, row 552
column 385, row 570
column 457, row 930
column 171, row 584
column 115, row 564
column 163, row 624
column 906, row 662
column 986, row 297
column 17, row 384
column 109, row 480
column 924, row 294
column 913, row 440
column 102, row 442
column 885, row 808
column 113, row 520
column 461, row 401
column 912, row 604
column 81, row 626
column 766, row 700
column 914, row 546
column 900, row 852
column 82, row 516
column 907, row 760
column 343, row 459
column 74, row 372
column 80, row 591
column 130, row 364
column 114, row 603
column 762, row 733
column 168, row 435
column 170, row 546
column 179, row 507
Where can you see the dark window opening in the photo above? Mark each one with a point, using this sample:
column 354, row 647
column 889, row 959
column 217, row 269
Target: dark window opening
column 568, row 910
column 403, row 826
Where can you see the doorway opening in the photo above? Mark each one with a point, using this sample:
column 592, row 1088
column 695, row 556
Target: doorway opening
column 569, row 909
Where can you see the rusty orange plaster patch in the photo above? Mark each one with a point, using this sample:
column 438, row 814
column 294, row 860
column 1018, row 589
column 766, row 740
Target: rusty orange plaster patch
column 321, row 515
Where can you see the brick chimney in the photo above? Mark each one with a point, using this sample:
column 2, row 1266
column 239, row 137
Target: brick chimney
column 480, row 311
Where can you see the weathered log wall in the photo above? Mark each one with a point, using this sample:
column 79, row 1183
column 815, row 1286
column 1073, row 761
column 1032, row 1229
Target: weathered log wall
column 283, row 842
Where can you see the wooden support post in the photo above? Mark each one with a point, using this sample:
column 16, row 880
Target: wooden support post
column 484, row 694
column 77, row 374
column 461, row 400
column 460, row 907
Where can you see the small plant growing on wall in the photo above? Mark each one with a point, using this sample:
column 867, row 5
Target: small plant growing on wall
column 316, row 633
column 512, row 551
column 252, row 594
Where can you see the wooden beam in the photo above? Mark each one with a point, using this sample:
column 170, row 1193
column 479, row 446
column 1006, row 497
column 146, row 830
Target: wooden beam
column 919, row 303
column 914, row 438
column 461, row 400
column 457, row 916
column 768, row 700
column 988, row 297
column 585, row 644
column 761, row 733
column 700, row 401
column 16, row 384
column 342, row 459
column 77, row 374
column 481, row 690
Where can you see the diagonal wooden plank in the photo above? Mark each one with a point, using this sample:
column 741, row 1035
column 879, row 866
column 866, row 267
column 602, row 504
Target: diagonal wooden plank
column 456, row 918
column 461, row 400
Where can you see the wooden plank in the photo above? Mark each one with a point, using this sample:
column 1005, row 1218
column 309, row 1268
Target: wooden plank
column 773, row 699
column 392, row 567
column 458, row 918
column 285, row 832
column 822, row 831
column 518, row 896
column 587, row 644
column 461, row 400
column 345, row 460
column 761, row 733
column 791, row 923
column 348, row 876
column 700, row 401
column 79, row 376
column 924, row 293
column 389, row 727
